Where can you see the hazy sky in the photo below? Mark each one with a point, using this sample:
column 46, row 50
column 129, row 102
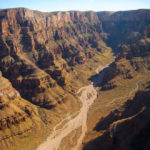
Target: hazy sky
column 63, row 5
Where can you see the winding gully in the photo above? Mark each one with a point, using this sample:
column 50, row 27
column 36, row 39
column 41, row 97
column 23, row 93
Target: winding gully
column 88, row 95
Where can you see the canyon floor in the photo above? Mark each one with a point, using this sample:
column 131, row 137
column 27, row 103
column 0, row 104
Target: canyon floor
column 107, row 103
column 73, row 122
column 77, row 129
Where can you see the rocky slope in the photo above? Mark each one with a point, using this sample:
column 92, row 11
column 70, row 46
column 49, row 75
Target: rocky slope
column 132, row 52
column 127, row 127
column 16, row 114
column 124, row 27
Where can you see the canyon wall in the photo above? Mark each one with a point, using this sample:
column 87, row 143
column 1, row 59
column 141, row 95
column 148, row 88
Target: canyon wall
column 38, row 49
column 40, row 53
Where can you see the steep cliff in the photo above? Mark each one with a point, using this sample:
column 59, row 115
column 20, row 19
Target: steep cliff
column 132, row 45
column 124, row 27
column 38, row 50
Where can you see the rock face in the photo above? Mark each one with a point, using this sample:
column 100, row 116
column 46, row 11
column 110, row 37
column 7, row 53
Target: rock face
column 124, row 26
column 131, row 45
column 36, row 46
column 15, row 113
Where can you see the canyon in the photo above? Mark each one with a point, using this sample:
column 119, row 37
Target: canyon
column 88, row 95
column 50, row 93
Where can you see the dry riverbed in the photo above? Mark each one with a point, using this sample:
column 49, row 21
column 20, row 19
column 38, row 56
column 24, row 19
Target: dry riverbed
column 53, row 142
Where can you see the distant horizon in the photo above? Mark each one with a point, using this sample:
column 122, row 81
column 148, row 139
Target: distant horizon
column 78, row 5
column 75, row 10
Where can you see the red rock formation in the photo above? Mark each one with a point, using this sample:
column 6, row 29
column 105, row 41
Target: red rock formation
column 31, row 41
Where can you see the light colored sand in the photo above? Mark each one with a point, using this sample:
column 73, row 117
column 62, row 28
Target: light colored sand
column 88, row 95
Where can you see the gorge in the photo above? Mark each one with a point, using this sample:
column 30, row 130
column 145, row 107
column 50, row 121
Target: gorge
column 45, row 58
